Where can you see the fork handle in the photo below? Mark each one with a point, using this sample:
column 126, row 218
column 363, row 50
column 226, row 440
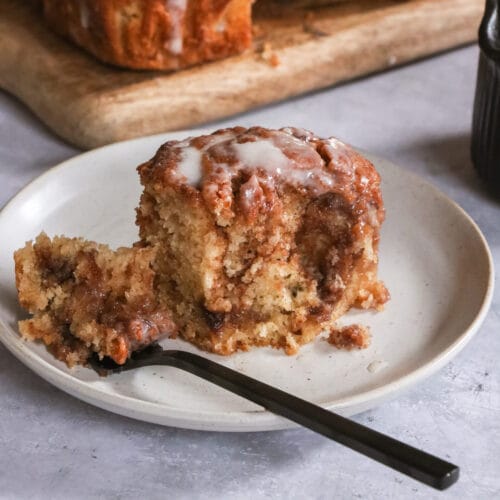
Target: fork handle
column 415, row 463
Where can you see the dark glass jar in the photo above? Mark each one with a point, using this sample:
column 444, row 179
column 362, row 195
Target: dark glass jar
column 485, row 143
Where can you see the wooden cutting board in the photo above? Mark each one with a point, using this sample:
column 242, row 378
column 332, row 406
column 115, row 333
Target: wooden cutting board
column 90, row 104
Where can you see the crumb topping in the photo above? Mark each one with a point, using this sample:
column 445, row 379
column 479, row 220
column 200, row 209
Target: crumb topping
column 254, row 165
column 350, row 337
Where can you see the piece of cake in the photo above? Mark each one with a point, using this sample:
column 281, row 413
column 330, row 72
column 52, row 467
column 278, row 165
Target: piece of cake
column 86, row 298
column 153, row 34
column 263, row 237
column 248, row 237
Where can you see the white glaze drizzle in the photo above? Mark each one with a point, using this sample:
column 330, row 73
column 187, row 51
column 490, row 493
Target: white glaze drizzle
column 265, row 155
column 261, row 154
column 190, row 164
column 250, row 192
column 220, row 27
column 176, row 10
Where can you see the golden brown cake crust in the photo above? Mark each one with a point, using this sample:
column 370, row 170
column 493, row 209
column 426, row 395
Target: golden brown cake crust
column 153, row 34
column 267, row 160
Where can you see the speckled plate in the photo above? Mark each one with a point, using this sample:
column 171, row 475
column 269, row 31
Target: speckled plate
column 433, row 258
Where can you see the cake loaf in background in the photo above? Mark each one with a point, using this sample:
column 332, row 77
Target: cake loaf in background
column 153, row 34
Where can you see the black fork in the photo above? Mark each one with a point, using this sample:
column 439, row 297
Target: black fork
column 415, row 463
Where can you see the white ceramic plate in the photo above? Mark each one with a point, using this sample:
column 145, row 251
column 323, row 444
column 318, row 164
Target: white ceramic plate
column 433, row 258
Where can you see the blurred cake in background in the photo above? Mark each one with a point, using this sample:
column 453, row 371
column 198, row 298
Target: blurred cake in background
column 160, row 34
column 153, row 34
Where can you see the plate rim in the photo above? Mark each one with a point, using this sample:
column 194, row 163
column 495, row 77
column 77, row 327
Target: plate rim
column 235, row 421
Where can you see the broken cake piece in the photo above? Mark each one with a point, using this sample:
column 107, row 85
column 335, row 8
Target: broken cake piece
column 86, row 298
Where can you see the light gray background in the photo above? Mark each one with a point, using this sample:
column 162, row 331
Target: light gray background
column 54, row 446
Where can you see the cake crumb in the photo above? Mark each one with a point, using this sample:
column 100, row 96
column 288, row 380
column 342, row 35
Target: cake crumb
column 350, row 337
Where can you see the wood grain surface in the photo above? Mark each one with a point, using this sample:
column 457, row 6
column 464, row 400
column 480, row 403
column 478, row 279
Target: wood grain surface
column 90, row 104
